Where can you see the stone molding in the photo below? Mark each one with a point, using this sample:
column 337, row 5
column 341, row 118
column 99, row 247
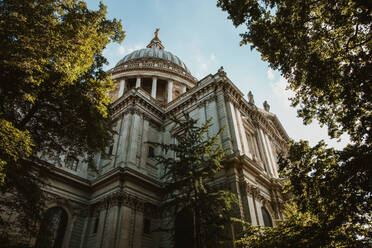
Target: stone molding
column 258, row 119
column 119, row 198
column 154, row 65
column 256, row 193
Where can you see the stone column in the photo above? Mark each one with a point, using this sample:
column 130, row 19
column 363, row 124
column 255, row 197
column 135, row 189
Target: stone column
column 170, row 90
column 138, row 82
column 123, row 142
column 125, row 227
column 138, row 229
column 259, row 213
column 122, row 88
column 234, row 127
column 252, row 210
column 133, row 142
column 153, row 88
column 265, row 154
column 242, row 133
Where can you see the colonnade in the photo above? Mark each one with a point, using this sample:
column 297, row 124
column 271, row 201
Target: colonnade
column 123, row 86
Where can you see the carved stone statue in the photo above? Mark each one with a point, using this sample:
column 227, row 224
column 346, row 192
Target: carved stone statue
column 221, row 72
column 156, row 33
column 250, row 97
column 266, row 106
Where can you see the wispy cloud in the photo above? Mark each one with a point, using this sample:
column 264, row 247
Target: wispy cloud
column 212, row 57
column 270, row 74
column 204, row 63
column 279, row 90
column 128, row 49
column 121, row 49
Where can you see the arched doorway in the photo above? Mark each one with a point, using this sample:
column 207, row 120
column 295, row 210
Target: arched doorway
column 266, row 217
column 52, row 228
column 184, row 229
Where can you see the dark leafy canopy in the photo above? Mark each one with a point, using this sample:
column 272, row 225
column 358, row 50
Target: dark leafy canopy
column 298, row 230
column 190, row 166
column 323, row 49
column 52, row 82
column 53, row 91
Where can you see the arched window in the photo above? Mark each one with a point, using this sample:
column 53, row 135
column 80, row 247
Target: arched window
column 52, row 228
column 266, row 217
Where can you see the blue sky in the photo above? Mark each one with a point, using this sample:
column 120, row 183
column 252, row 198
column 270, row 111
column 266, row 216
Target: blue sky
column 200, row 34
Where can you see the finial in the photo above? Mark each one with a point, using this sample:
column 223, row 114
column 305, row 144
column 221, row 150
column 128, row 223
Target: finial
column 250, row 97
column 221, row 72
column 266, row 106
column 156, row 42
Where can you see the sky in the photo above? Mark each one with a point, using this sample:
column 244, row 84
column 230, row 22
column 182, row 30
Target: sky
column 200, row 34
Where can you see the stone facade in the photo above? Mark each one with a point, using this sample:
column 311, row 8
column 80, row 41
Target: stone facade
column 116, row 206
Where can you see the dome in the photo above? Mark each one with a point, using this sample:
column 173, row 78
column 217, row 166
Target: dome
column 154, row 50
column 156, row 53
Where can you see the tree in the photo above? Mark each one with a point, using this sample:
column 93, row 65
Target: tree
column 53, row 92
column 323, row 49
column 301, row 229
column 191, row 166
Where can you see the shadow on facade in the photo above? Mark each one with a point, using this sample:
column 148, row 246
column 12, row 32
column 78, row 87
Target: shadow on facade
column 52, row 228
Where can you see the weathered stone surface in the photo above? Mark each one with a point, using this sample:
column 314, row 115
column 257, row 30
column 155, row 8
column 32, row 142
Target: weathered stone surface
column 128, row 180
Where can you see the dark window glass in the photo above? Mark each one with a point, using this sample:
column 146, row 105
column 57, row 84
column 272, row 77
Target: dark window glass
column 111, row 149
column 52, row 228
column 71, row 162
column 151, row 152
column 266, row 217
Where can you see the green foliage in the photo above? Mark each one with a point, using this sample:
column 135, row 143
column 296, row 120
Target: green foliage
column 14, row 144
column 53, row 90
column 323, row 49
column 191, row 166
column 298, row 230
column 328, row 184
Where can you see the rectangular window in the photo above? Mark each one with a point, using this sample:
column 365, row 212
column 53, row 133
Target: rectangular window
column 111, row 149
column 146, row 226
column 151, row 152
column 71, row 163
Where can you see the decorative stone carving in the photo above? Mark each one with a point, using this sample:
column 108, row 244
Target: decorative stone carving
column 250, row 97
column 266, row 106
column 120, row 198
column 221, row 72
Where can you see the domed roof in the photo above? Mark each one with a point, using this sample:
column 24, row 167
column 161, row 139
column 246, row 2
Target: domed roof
column 154, row 52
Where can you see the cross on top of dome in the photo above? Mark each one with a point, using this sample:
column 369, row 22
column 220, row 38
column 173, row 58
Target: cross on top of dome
column 156, row 42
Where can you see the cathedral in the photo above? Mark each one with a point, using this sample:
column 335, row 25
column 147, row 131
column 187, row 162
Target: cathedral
column 115, row 205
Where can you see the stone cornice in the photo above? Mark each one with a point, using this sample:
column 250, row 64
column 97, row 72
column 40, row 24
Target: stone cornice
column 251, row 110
column 213, row 82
column 149, row 64
column 233, row 94
column 135, row 102
column 118, row 198
column 124, row 173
